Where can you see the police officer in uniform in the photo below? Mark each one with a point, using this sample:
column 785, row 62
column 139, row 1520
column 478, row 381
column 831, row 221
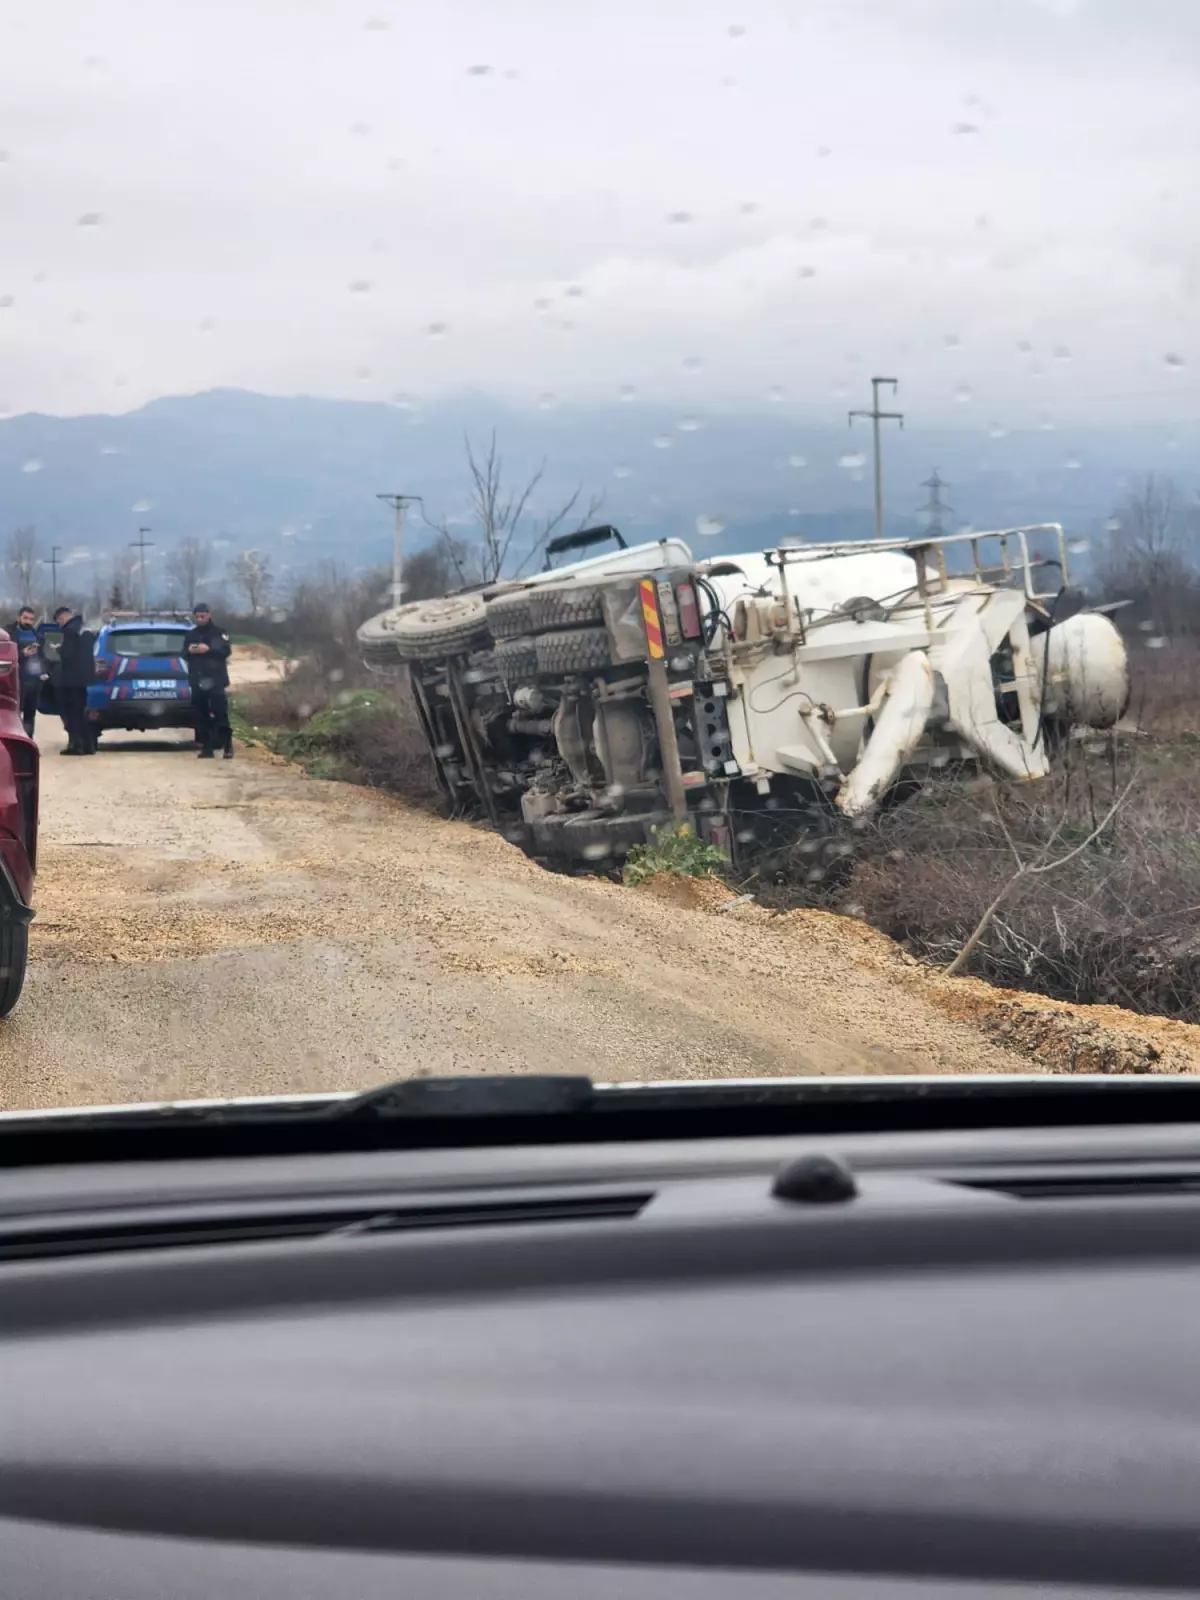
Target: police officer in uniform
column 29, row 649
column 71, row 674
column 206, row 651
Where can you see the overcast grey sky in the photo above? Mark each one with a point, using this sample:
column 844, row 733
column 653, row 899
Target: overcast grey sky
column 713, row 203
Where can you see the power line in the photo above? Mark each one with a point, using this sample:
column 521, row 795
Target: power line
column 935, row 508
column 54, row 563
column 877, row 416
column 141, row 544
column 398, row 503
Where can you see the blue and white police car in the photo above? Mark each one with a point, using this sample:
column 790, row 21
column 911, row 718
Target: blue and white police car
column 141, row 676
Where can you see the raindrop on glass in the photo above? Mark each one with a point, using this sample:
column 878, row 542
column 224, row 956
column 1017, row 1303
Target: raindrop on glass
column 823, row 151
column 622, row 471
column 748, row 207
column 736, row 30
column 662, row 441
column 797, row 461
column 688, row 424
column 1173, row 361
column 997, row 431
column 34, row 464
column 361, row 286
column 6, row 300
column 1072, row 463
column 818, row 224
column 142, row 505
column 852, row 458
column 1024, row 346
column 679, row 216
column 627, row 393
column 1046, row 425
column 1156, row 643
column 952, row 341
column 806, row 272
column 435, row 330
column 547, row 401
column 376, row 25
column 542, row 304
column 776, row 393
column 1061, row 353
column 693, row 363
column 709, row 527
column 360, row 130
column 966, row 127
column 1112, row 525
column 963, row 394
column 89, row 219
column 575, row 290
column 1077, row 547
column 206, row 325
column 479, row 72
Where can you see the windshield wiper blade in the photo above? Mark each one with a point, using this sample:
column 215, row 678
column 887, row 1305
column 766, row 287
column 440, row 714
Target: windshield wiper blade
column 532, row 1095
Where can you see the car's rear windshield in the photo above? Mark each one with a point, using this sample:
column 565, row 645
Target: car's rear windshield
column 145, row 642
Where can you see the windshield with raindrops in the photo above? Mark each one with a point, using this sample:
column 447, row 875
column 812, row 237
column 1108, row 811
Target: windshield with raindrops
column 652, row 543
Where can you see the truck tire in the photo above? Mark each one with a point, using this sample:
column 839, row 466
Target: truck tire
column 450, row 625
column 574, row 650
column 516, row 659
column 14, row 953
column 510, row 616
column 567, row 605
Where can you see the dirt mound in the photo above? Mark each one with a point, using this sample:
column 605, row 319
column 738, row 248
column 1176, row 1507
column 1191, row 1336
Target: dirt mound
column 1050, row 1034
column 688, row 894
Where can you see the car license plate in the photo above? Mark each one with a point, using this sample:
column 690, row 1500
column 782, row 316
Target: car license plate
column 155, row 685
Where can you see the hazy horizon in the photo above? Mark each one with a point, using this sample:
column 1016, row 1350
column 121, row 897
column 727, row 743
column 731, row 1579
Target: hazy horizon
column 751, row 206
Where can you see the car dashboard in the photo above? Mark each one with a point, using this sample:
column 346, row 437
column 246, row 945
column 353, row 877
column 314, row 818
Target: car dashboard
column 964, row 1366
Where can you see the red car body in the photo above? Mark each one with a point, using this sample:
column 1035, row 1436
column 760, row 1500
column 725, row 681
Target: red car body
column 18, row 828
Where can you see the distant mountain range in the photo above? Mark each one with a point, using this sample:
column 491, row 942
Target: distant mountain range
column 298, row 477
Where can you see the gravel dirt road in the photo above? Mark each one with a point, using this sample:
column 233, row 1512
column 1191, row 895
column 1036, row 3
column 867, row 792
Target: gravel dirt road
column 212, row 928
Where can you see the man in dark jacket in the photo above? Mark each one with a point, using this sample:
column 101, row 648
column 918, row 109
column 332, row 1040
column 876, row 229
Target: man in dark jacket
column 29, row 652
column 206, row 651
column 71, row 675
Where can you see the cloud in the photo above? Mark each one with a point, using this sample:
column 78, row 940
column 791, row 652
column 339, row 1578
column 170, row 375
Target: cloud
column 291, row 196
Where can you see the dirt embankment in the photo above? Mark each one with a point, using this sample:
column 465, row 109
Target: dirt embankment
column 234, row 928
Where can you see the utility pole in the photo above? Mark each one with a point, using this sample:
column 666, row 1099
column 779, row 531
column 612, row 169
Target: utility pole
column 398, row 503
column 935, row 508
column 141, row 544
column 877, row 416
column 53, row 564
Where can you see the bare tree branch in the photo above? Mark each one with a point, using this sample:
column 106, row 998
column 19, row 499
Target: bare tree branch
column 188, row 568
column 502, row 515
column 1030, row 869
column 22, row 558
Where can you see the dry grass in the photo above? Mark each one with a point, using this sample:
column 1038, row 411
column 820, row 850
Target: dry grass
column 1118, row 924
column 368, row 736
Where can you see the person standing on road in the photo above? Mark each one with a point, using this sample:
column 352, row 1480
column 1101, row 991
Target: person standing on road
column 29, row 653
column 206, row 651
column 72, row 674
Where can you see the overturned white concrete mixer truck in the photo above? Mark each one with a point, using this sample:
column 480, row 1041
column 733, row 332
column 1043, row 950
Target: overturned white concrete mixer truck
column 756, row 697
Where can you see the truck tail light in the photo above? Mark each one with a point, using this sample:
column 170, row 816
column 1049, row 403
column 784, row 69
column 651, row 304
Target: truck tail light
column 689, row 611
